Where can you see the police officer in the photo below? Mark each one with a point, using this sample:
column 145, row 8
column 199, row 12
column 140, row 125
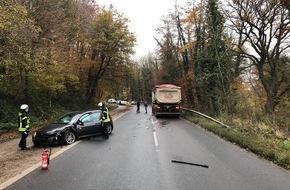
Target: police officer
column 23, row 126
column 105, row 119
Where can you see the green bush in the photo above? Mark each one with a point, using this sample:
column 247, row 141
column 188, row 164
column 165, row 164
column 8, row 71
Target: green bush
column 8, row 127
column 282, row 159
column 284, row 144
column 38, row 114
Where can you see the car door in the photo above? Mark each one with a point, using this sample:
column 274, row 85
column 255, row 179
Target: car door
column 96, row 117
column 88, row 125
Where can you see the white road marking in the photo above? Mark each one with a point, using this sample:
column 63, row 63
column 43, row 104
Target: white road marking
column 155, row 140
column 155, row 134
column 153, row 121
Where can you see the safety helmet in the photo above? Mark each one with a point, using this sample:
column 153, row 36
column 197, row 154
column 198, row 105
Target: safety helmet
column 101, row 105
column 24, row 107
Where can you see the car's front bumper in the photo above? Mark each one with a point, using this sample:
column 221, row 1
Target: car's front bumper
column 45, row 139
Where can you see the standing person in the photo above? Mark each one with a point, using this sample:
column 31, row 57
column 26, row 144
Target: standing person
column 105, row 119
column 145, row 105
column 23, row 126
column 138, row 106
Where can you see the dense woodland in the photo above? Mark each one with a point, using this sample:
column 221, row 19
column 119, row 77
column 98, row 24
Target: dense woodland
column 230, row 57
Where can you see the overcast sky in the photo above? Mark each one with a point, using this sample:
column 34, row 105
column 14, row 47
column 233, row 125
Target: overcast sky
column 144, row 16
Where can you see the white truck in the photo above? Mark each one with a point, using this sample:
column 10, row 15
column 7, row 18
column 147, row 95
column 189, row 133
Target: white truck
column 166, row 100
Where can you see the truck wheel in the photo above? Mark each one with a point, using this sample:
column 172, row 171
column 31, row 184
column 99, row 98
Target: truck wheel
column 156, row 115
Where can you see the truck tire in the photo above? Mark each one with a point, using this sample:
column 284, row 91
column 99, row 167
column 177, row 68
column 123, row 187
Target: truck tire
column 156, row 115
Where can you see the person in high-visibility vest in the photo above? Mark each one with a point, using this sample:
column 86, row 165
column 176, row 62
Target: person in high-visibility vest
column 105, row 119
column 23, row 126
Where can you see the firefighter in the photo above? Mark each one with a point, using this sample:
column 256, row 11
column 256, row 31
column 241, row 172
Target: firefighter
column 105, row 119
column 23, row 126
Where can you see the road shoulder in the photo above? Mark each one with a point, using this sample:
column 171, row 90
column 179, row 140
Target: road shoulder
column 15, row 163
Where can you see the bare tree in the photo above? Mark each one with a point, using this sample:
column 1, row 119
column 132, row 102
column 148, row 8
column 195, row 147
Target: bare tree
column 264, row 27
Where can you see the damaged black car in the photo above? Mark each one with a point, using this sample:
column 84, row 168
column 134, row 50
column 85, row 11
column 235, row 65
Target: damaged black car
column 70, row 128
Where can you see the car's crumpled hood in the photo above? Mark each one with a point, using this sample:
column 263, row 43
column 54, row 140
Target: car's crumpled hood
column 53, row 127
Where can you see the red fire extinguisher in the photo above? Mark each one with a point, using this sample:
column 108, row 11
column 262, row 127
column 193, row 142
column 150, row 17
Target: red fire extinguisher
column 45, row 158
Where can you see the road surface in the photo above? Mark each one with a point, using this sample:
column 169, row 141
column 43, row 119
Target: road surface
column 145, row 153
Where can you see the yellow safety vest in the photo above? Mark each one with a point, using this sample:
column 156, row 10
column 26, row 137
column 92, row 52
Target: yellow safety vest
column 105, row 116
column 23, row 122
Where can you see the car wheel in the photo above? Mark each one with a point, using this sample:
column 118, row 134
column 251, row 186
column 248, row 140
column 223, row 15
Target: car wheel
column 69, row 137
column 109, row 128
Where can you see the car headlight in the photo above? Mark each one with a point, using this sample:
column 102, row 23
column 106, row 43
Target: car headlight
column 53, row 132
column 50, row 132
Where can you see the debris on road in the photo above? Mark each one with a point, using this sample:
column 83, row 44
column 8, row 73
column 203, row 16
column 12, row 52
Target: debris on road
column 181, row 162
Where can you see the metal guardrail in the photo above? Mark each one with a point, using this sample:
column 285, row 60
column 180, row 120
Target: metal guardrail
column 206, row 116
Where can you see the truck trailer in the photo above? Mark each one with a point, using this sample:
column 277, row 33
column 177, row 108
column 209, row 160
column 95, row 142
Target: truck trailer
column 166, row 100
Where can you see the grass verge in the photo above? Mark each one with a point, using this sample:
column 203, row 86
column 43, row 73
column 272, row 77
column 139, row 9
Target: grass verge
column 262, row 141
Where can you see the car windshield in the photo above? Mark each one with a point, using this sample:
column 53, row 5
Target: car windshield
column 68, row 118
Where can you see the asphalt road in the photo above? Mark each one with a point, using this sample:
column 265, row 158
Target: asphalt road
column 139, row 156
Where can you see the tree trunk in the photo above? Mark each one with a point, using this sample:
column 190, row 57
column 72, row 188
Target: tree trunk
column 270, row 85
column 271, row 97
column 92, row 91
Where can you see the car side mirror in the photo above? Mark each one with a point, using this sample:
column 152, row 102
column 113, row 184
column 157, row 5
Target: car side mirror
column 80, row 122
